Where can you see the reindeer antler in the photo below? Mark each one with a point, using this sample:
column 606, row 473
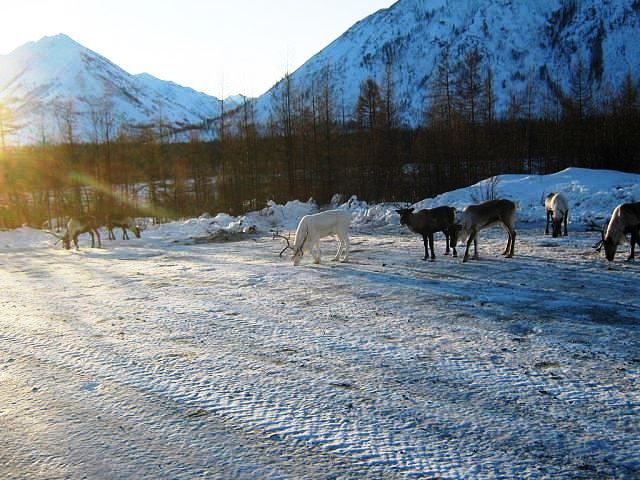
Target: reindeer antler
column 276, row 234
column 594, row 227
column 60, row 238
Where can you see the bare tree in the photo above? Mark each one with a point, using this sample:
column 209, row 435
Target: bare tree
column 579, row 102
column 441, row 108
column 369, row 106
column 469, row 85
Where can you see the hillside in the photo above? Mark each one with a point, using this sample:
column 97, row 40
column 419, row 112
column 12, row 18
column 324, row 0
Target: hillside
column 526, row 44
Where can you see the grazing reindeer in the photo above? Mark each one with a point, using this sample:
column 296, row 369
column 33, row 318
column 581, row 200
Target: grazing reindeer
column 624, row 219
column 557, row 208
column 314, row 227
column 78, row 225
column 427, row 222
column 478, row 217
column 124, row 223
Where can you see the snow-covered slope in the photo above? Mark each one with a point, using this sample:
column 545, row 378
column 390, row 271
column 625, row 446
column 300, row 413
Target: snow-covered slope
column 540, row 41
column 42, row 80
column 592, row 196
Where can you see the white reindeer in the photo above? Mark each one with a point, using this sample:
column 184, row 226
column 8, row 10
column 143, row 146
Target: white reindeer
column 557, row 208
column 314, row 227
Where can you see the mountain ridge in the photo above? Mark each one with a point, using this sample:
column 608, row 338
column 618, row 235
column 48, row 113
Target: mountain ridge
column 37, row 77
column 530, row 47
column 537, row 42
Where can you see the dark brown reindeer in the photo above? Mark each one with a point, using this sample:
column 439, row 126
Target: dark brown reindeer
column 427, row 222
column 483, row 215
column 124, row 223
column 557, row 208
column 77, row 226
column 625, row 219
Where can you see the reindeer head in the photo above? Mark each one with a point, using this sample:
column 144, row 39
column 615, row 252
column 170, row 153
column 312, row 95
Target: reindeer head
column 610, row 238
column 610, row 248
column 66, row 240
column 609, row 243
column 456, row 232
column 405, row 214
column 297, row 256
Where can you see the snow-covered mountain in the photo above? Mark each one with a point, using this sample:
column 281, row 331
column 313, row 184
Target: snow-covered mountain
column 527, row 45
column 45, row 81
column 538, row 41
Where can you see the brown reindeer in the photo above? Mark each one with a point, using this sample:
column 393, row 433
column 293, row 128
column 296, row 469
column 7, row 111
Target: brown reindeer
column 483, row 215
column 77, row 226
column 427, row 222
column 124, row 223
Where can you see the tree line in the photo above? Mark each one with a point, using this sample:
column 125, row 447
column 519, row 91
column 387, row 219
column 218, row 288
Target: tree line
column 310, row 146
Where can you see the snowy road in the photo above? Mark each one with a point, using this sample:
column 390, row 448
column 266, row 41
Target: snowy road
column 153, row 359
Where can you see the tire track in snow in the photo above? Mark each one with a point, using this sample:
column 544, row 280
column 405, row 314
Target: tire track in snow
column 449, row 409
column 157, row 404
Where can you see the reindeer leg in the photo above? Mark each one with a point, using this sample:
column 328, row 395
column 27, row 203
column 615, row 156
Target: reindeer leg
column 345, row 249
column 340, row 247
column 453, row 244
column 472, row 237
column 546, row 227
column 75, row 242
column 110, row 234
column 566, row 216
column 475, row 248
column 505, row 252
column 433, row 255
column 316, row 256
column 512, row 241
column 425, row 241
column 508, row 246
column 93, row 240
column 634, row 240
column 446, row 240
column 125, row 236
column 99, row 241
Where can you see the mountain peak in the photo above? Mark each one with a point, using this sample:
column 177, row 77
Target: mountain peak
column 48, row 44
column 60, row 38
column 36, row 77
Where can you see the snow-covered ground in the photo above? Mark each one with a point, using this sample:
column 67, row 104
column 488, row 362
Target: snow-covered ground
column 164, row 357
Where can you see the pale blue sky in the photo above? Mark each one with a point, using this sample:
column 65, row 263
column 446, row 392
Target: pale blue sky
column 219, row 47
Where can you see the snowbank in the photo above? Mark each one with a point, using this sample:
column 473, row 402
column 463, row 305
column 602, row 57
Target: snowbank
column 592, row 195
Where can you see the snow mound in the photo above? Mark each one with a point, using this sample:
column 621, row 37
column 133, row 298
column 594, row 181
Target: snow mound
column 592, row 196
